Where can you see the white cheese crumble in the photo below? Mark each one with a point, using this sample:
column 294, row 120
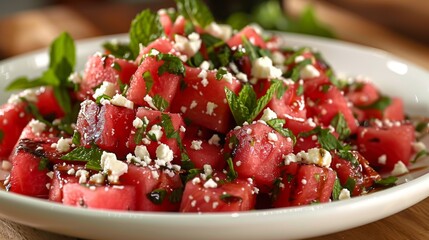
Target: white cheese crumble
column 193, row 104
column 242, row 76
column 112, row 166
column 29, row 95
column 205, row 65
column 63, row 145
column 268, row 114
column 382, row 159
column 196, row 144
column 272, row 137
column 106, row 88
column 221, row 31
column 156, row 131
column 97, row 178
column 210, row 108
column 344, row 194
column 82, row 175
column 210, row 184
column 75, row 78
column 163, row 152
column 263, row 68
column 278, row 58
column 37, row 127
column 142, row 153
column 399, row 169
column 137, row 123
column 309, row 71
column 121, row 101
column 148, row 99
column 189, row 45
column 182, row 129
column 214, row 140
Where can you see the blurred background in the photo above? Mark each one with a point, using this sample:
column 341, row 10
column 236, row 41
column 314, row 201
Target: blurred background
column 396, row 26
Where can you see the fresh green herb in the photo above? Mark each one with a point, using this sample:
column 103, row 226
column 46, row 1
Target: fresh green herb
column 340, row 124
column 254, row 52
column 298, row 52
column 92, row 156
column 231, row 174
column 324, row 137
column 62, row 61
column 172, row 64
column 218, row 51
column 148, row 80
column 420, row 154
column 1, row 135
column 300, row 90
column 102, row 97
column 140, row 132
column 350, row 184
column 189, row 28
column 381, row 104
column 116, row 66
column 193, row 173
column 34, row 111
column 119, row 50
column 219, row 74
column 346, row 154
column 144, row 29
column 160, row 103
column 277, row 124
column 421, row 126
column 228, row 198
column 341, row 84
column 294, row 73
column 246, row 107
column 281, row 90
column 176, row 195
column 195, row 11
column 76, row 138
column 196, row 60
column 43, row 164
column 387, row 182
column 337, row 189
column 157, row 196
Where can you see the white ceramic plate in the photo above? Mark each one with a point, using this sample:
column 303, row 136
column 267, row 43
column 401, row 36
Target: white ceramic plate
column 393, row 75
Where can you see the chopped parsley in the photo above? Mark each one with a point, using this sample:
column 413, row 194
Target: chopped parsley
column 172, row 64
column 160, row 103
column 91, row 155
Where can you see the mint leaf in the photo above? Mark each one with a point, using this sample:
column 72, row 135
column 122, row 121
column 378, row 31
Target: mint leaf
column 145, row 28
column 43, row 164
column 119, row 50
column 245, row 107
column 340, row 125
column 160, row 103
column 387, row 182
column 92, row 156
column 195, row 11
column 420, row 154
column 148, row 80
column 231, row 174
column 1, row 135
column 381, row 104
column 218, row 51
column 220, row 72
column 253, row 51
column 157, row 196
column 176, row 195
column 337, row 189
column 24, row 82
column 172, row 64
column 76, row 138
column 228, row 198
column 350, row 184
column 277, row 124
column 168, row 127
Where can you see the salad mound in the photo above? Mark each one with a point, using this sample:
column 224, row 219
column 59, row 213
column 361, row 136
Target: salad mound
column 193, row 116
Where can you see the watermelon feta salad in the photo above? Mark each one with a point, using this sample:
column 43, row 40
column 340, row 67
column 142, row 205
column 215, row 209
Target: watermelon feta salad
column 193, row 116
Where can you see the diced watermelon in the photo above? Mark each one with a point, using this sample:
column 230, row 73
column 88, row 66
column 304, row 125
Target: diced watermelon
column 155, row 189
column 101, row 197
column 393, row 112
column 164, row 86
column 13, row 119
column 108, row 126
column 199, row 196
column 162, row 45
column 100, row 68
column 314, row 184
column 155, row 118
column 256, row 151
column 166, row 22
column 251, row 34
column 204, row 102
column 303, row 143
column 28, row 176
column 384, row 146
column 208, row 154
column 289, row 105
column 362, row 93
column 178, row 27
column 62, row 175
column 326, row 102
column 48, row 105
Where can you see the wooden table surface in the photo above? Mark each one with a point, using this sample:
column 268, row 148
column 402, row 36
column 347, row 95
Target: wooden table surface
column 36, row 28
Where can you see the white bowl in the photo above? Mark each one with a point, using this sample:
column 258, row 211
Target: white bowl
column 394, row 76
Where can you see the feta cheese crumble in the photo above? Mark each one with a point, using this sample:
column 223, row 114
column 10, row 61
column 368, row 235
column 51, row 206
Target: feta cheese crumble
column 263, row 68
